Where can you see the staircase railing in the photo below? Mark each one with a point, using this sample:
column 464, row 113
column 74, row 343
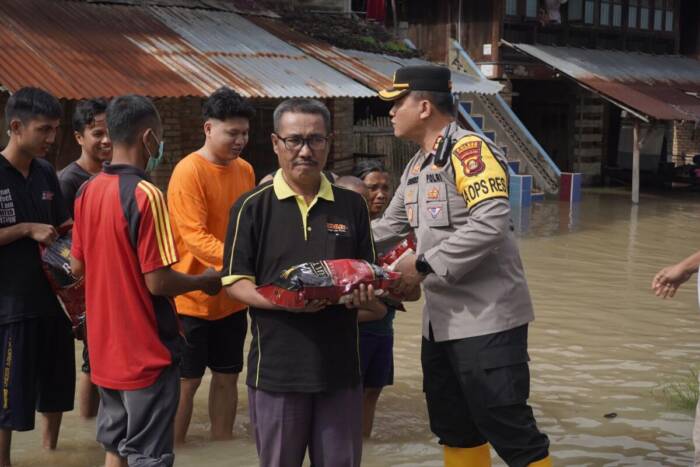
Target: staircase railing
column 542, row 166
column 475, row 127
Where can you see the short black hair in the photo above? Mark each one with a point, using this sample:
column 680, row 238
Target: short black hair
column 365, row 167
column 303, row 106
column 444, row 102
column 29, row 103
column 86, row 111
column 225, row 103
column 128, row 115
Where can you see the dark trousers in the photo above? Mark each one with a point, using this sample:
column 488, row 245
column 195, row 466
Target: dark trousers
column 477, row 388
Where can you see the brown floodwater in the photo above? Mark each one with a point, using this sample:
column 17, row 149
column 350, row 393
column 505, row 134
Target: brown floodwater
column 601, row 344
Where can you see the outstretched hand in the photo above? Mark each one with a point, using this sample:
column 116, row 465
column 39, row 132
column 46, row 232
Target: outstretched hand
column 666, row 282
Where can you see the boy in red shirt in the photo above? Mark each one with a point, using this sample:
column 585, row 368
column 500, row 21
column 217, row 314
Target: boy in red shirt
column 122, row 240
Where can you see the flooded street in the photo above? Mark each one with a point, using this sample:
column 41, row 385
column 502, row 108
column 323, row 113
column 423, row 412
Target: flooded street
column 601, row 344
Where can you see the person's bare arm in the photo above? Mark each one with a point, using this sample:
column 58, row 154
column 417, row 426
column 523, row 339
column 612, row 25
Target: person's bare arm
column 245, row 291
column 77, row 268
column 169, row 283
column 42, row 233
column 669, row 279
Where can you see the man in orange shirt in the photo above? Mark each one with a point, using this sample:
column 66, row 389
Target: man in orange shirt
column 203, row 187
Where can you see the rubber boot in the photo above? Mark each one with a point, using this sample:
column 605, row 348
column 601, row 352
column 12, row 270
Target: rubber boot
column 479, row 456
column 546, row 462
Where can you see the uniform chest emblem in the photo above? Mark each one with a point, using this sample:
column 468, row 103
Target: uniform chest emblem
column 469, row 154
column 434, row 211
column 47, row 195
column 416, row 168
column 433, row 194
column 409, row 214
column 337, row 228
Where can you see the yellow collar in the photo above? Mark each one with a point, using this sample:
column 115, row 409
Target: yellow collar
column 283, row 191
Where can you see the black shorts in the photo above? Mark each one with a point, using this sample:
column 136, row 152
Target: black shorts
column 38, row 360
column 217, row 344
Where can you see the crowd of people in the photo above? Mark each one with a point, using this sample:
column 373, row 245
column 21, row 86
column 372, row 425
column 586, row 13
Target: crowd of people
column 171, row 282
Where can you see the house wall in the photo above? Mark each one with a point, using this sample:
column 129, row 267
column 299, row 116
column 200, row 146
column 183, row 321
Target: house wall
column 686, row 142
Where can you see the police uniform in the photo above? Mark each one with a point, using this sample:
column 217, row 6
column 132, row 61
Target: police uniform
column 477, row 303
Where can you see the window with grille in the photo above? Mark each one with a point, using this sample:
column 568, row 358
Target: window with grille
column 531, row 8
column 669, row 16
column 575, row 10
column 605, row 12
column 589, row 12
column 617, row 13
column 644, row 15
column 658, row 15
column 632, row 13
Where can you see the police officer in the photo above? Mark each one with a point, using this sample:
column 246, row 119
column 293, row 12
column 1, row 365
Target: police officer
column 454, row 196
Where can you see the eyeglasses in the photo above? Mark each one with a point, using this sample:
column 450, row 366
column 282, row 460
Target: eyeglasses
column 295, row 143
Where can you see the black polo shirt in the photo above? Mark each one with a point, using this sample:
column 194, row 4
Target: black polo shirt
column 24, row 291
column 272, row 229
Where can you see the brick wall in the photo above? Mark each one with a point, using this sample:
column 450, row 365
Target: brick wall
column 182, row 133
column 686, row 142
column 3, row 124
column 340, row 160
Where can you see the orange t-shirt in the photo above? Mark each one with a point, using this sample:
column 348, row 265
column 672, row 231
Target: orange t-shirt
column 200, row 195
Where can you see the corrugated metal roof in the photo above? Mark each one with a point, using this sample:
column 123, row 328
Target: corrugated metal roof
column 77, row 50
column 373, row 70
column 663, row 87
column 461, row 82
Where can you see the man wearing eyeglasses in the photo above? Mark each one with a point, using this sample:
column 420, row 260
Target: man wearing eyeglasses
column 303, row 367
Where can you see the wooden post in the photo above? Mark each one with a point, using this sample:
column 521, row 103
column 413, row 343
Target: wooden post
column 636, row 143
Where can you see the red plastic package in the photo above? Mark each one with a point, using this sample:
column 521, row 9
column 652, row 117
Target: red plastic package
column 399, row 252
column 331, row 280
column 55, row 261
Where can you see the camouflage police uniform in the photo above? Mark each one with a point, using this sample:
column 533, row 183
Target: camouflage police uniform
column 477, row 303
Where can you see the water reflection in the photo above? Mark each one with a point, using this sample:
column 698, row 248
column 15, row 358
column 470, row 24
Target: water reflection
column 601, row 344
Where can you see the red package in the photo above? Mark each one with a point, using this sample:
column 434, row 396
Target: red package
column 55, row 261
column 331, row 280
column 399, row 252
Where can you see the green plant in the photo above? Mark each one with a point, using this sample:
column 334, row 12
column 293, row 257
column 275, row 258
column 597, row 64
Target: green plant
column 368, row 41
column 681, row 392
column 396, row 47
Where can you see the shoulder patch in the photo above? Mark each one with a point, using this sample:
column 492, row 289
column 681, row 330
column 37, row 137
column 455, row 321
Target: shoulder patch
column 482, row 176
column 468, row 151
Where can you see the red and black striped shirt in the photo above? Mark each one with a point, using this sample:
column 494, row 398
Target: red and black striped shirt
column 122, row 231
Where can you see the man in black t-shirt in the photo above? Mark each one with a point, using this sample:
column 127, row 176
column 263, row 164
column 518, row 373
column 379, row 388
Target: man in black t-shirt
column 90, row 130
column 36, row 342
column 303, row 367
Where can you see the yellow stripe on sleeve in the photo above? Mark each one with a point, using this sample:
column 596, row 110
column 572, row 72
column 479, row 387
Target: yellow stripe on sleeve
column 238, row 220
column 164, row 238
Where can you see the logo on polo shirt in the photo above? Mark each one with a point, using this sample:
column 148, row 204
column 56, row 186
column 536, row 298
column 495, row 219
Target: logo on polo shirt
column 47, row 195
column 7, row 208
column 337, row 228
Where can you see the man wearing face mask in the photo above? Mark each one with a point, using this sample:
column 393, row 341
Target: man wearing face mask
column 122, row 237
column 204, row 186
column 454, row 197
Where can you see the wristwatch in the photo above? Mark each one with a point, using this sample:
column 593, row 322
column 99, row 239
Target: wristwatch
column 422, row 265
